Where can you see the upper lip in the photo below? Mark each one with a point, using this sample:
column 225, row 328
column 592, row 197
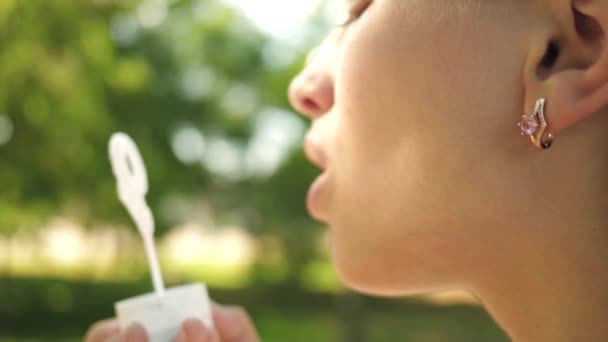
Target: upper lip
column 314, row 153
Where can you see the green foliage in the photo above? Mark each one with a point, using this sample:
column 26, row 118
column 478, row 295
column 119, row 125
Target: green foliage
column 73, row 72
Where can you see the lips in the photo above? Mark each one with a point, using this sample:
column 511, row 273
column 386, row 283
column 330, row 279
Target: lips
column 315, row 154
column 313, row 200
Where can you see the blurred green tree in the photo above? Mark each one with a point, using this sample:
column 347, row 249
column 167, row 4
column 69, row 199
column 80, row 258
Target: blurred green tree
column 193, row 82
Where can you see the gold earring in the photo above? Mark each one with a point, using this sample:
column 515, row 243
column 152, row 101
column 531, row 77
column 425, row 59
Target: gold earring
column 535, row 126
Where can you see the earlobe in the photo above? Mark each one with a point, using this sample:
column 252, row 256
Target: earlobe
column 576, row 85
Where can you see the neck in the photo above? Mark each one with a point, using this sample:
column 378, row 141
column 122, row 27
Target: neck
column 549, row 282
column 550, row 294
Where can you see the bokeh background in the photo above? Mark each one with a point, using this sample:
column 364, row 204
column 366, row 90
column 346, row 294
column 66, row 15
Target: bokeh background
column 201, row 87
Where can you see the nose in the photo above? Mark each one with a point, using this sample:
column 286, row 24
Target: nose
column 311, row 92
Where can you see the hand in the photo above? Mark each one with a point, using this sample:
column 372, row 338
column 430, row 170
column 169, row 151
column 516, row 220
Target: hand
column 109, row 331
column 232, row 324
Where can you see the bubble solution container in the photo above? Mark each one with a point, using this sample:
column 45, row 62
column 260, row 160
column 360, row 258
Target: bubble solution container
column 163, row 315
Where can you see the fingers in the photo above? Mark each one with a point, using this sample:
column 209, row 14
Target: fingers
column 109, row 331
column 233, row 324
column 102, row 331
column 193, row 330
column 134, row 333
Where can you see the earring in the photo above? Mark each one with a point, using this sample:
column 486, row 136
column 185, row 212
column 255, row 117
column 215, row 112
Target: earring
column 535, row 125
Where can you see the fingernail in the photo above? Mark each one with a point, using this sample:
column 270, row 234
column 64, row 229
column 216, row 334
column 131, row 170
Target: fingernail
column 136, row 333
column 194, row 328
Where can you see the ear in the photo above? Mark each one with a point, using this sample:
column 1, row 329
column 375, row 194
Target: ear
column 568, row 63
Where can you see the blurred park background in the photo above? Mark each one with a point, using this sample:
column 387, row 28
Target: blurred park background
column 201, row 87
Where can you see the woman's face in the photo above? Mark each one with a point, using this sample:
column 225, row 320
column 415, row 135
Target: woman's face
column 414, row 107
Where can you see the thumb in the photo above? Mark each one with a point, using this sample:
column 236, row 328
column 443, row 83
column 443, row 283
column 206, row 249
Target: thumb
column 193, row 330
column 102, row 331
column 233, row 324
column 134, row 333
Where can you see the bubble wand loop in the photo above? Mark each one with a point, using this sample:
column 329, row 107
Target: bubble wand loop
column 132, row 184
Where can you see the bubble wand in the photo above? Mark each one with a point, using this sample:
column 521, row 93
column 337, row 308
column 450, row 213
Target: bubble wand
column 132, row 184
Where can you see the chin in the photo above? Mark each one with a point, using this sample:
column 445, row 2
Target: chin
column 379, row 288
column 371, row 278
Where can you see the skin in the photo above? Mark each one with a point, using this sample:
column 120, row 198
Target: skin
column 428, row 185
column 232, row 324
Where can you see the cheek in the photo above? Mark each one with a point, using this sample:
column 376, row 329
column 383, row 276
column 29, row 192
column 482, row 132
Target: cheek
column 422, row 120
column 390, row 90
column 420, row 107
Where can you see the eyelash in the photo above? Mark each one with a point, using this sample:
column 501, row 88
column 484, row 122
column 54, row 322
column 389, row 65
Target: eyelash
column 356, row 12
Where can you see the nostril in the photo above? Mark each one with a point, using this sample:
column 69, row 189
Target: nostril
column 311, row 105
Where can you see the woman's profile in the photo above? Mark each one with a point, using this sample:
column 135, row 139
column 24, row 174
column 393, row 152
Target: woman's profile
column 463, row 145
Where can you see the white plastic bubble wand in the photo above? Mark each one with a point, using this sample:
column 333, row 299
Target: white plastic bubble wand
column 132, row 184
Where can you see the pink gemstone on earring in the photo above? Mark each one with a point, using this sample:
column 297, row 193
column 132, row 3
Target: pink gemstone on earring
column 528, row 125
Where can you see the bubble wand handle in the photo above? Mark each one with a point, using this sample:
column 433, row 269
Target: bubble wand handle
column 157, row 278
column 132, row 184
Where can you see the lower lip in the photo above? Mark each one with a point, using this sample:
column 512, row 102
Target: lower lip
column 313, row 200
